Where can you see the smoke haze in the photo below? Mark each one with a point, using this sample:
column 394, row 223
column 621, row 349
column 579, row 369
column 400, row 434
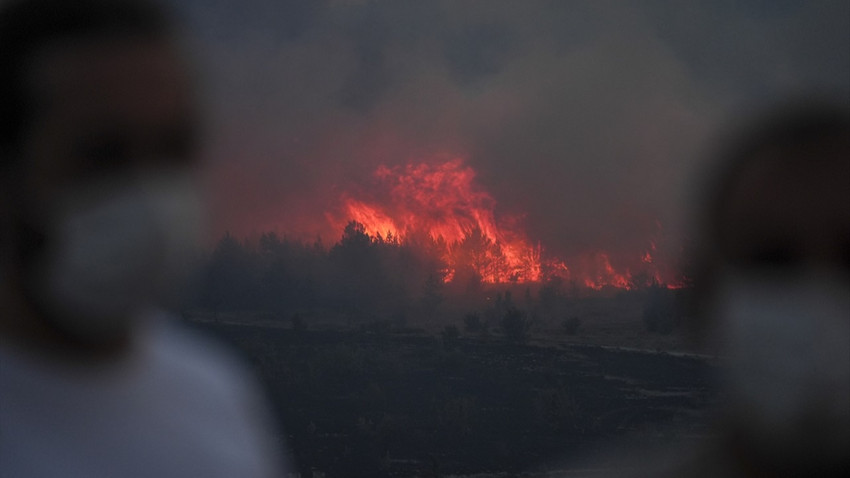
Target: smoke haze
column 586, row 118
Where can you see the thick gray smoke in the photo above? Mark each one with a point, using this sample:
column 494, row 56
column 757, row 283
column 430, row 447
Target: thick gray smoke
column 586, row 116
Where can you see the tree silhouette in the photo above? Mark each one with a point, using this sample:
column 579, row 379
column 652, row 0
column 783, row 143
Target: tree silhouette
column 230, row 281
column 515, row 325
column 432, row 296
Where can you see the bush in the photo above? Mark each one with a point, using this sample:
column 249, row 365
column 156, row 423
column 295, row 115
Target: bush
column 515, row 325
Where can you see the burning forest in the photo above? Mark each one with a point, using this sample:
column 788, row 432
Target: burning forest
column 440, row 207
column 415, row 235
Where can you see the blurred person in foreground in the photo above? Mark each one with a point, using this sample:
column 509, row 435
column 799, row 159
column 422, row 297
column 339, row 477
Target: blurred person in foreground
column 98, row 203
column 772, row 297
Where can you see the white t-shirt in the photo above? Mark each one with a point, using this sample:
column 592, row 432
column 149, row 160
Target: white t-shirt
column 178, row 406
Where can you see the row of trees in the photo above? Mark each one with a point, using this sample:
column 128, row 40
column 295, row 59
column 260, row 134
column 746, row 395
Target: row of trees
column 372, row 278
column 358, row 274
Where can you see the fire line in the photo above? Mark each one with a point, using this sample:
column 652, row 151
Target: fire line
column 442, row 201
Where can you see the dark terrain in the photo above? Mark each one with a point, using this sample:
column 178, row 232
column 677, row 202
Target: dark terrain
column 376, row 402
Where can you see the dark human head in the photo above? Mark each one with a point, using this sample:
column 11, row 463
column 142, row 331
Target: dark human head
column 773, row 289
column 28, row 28
column 97, row 112
column 779, row 199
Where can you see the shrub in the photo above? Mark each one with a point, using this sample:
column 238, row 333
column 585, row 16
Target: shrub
column 515, row 325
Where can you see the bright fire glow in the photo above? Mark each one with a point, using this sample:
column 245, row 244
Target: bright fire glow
column 441, row 201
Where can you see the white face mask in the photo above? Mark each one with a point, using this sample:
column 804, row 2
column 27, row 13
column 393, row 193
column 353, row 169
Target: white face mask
column 787, row 340
column 116, row 249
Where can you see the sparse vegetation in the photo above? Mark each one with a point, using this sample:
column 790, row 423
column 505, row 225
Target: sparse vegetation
column 473, row 324
column 371, row 369
column 394, row 404
column 515, row 325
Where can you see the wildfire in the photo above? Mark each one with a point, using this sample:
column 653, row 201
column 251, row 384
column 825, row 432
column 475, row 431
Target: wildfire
column 603, row 274
column 442, row 201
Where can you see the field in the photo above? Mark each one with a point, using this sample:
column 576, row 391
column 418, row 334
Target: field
column 382, row 400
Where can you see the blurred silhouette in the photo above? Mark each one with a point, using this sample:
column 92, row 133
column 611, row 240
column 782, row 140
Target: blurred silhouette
column 772, row 299
column 773, row 290
column 99, row 206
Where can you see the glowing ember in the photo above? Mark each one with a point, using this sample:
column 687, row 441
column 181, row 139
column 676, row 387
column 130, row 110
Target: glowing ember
column 441, row 201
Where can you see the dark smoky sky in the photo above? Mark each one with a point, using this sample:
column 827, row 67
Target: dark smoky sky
column 589, row 117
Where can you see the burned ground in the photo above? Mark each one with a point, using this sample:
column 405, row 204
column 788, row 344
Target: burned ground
column 378, row 401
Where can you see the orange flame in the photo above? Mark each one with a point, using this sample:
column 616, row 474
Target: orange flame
column 605, row 274
column 442, row 201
